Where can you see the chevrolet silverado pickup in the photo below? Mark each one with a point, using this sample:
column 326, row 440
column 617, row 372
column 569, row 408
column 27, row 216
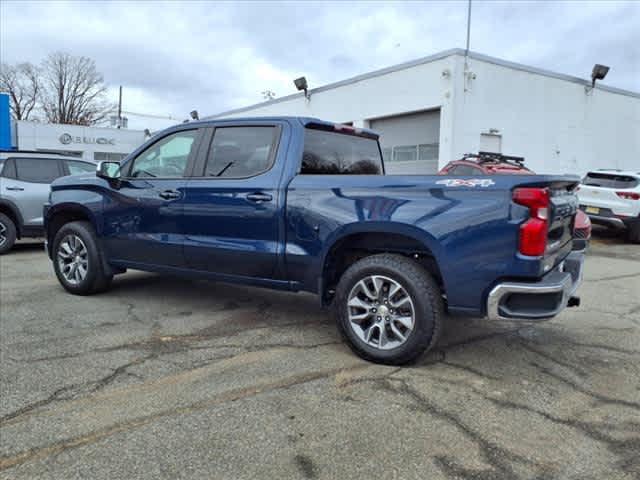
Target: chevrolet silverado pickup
column 301, row 204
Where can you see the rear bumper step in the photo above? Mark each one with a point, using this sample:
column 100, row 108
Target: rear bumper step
column 539, row 300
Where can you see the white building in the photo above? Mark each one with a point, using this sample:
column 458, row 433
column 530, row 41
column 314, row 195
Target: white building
column 89, row 143
column 429, row 111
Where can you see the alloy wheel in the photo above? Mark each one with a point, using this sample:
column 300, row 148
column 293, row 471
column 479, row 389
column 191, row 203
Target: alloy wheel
column 381, row 312
column 73, row 260
column 3, row 234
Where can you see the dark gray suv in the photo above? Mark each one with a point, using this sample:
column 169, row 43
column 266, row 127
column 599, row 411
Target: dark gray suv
column 24, row 188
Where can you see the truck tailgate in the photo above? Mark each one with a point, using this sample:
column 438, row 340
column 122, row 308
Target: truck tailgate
column 563, row 205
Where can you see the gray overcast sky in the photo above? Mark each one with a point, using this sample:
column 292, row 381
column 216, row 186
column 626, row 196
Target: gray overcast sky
column 174, row 56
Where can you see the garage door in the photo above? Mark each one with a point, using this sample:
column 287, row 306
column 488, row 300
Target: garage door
column 410, row 142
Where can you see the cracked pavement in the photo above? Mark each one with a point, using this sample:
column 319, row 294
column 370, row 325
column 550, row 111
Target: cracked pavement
column 167, row 378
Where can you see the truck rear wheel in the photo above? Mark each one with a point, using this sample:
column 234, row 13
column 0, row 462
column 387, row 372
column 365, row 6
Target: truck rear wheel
column 388, row 308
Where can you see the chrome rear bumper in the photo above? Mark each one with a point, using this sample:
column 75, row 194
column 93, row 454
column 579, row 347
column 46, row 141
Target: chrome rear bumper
column 539, row 300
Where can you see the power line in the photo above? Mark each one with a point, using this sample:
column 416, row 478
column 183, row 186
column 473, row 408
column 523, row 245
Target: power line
column 150, row 115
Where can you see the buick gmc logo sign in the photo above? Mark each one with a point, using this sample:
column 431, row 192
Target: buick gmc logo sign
column 67, row 139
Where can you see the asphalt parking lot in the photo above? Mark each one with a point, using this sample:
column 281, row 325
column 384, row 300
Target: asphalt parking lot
column 166, row 378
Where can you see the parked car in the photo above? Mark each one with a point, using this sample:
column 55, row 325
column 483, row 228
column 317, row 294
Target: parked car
column 612, row 198
column 300, row 204
column 24, row 188
column 488, row 163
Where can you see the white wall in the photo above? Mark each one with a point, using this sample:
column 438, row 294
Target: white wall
column 548, row 120
column 422, row 87
column 553, row 123
column 41, row 136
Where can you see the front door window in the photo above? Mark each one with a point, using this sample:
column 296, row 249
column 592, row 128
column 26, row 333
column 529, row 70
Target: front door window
column 167, row 158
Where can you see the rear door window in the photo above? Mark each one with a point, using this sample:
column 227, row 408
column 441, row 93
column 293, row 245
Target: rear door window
column 609, row 180
column 241, row 152
column 38, row 170
column 330, row 153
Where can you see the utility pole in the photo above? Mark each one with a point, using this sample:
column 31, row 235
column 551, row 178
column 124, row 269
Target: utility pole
column 120, row 106
column 466, row 52
column 468, row 26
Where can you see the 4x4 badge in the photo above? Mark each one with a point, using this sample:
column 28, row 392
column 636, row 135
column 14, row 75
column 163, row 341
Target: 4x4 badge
column 472, row 182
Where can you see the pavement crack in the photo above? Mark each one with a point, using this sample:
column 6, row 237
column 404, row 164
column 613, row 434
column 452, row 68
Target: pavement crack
column 576, row 370
column 472, row 370
column 132, row 315
column 500, row 459
column 481, row 338
column 625, row 449
column 598, row 396
column 70, row 391
column 56, row 448
column 616, row 277
column 55, row 396
column 118, row 371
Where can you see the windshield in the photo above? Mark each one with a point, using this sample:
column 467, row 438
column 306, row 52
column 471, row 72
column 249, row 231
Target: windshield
column 331, row 153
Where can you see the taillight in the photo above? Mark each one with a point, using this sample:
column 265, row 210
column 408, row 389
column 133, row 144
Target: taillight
column 629, row 195
column 533, row 232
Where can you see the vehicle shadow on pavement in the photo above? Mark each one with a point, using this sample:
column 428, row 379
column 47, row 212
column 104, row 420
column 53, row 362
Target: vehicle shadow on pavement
column 22, row 247
column 609, row 235
column 252, row 308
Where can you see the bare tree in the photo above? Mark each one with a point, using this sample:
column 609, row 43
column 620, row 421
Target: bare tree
column 22, row 83
column 73, row 90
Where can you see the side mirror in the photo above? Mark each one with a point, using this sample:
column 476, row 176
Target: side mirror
column 108, row 170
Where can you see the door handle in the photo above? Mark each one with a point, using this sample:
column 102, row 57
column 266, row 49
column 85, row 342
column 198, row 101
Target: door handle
column 259, row 197
column 16, row 189
column 169, row 194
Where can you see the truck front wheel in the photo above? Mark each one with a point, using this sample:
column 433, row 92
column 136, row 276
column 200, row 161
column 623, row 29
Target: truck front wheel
column 388, row 308
column 77, row 259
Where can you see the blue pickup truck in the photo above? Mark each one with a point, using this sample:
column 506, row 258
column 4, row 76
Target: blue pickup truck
column 301, row 204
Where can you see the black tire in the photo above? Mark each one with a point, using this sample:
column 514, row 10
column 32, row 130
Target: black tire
column 420, row 287
column 7, row 233
column 96, row 280
column 633, row 232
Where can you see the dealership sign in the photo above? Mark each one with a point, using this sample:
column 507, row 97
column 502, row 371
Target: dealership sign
column 67, row 139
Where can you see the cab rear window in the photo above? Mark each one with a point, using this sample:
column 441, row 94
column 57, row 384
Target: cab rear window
column 331, row 153
column 609, row 180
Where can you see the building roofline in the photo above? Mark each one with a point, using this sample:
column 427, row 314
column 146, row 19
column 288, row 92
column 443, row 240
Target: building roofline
column 348, row 81
column 548, row 73
column 428, row 59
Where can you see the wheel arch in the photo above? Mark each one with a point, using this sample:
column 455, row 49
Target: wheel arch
column 13, row 212
column 359, row 240
column 61, row 214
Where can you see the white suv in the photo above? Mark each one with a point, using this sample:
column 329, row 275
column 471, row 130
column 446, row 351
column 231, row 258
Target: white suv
column 612, row 198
